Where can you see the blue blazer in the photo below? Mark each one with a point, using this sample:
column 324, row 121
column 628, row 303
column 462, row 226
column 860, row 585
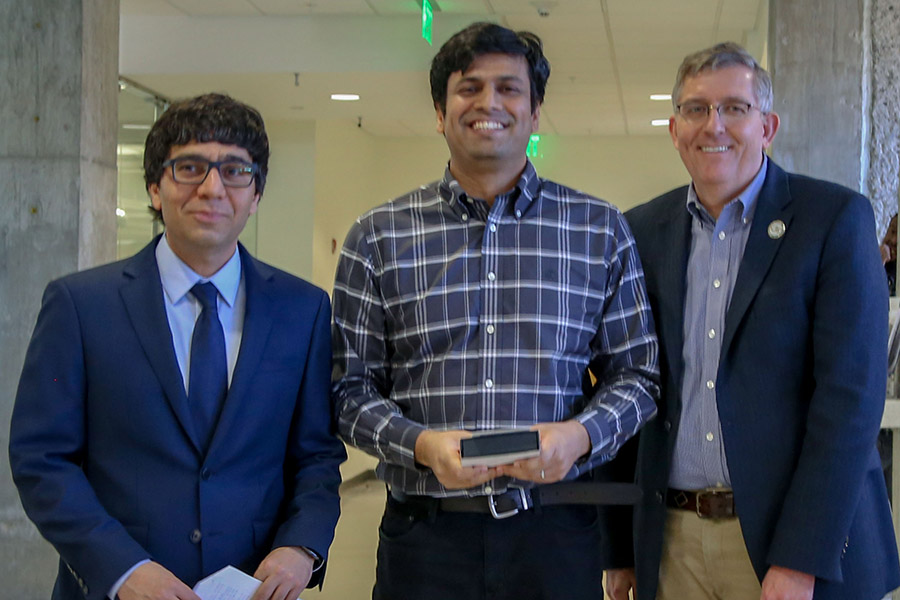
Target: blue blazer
column 800, row 389
column 103, row 450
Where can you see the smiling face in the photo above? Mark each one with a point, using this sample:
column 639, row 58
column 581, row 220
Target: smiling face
column 489, row 120
column 722, row 159
column 203, row 221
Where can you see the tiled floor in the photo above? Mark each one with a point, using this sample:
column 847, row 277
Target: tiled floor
column 351, row 564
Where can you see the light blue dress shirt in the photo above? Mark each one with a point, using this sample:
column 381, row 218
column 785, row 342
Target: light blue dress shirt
column 717, row 247
column 183, row 309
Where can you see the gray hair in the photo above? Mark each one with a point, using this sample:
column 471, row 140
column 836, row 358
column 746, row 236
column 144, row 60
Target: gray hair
column 720, row 56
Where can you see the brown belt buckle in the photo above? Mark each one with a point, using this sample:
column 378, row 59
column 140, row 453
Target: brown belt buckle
column 719, row 504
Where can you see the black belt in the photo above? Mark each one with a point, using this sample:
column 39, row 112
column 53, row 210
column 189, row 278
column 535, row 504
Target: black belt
column 516, row 499
column 708, row 504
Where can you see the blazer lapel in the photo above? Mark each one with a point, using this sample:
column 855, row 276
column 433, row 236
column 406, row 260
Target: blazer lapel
column 258, row 320
column 674, row 242
column 774, row 204
column 143, row 298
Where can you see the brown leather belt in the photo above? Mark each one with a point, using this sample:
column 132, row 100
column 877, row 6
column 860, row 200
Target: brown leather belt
column 517, row 499
column 707, row 504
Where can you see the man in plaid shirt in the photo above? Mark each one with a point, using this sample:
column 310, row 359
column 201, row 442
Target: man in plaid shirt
column 476, row 303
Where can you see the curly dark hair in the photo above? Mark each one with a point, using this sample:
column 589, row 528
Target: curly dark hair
column 207, row 118
column 465, row 46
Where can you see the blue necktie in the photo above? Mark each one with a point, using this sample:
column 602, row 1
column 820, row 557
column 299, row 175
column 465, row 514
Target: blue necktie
column 209, row 372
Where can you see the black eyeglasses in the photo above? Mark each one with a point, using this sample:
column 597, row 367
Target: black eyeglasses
column 194, row 171
column 729, row 112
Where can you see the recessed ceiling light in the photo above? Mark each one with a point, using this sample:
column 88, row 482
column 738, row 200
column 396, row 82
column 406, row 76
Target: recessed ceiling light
column 345, row 97
column 659, row 122
column 660, row 96
column 130, row 149
column 135, row 126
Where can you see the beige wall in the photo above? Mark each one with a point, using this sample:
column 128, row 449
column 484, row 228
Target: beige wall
column 284, row 227
column 355, row 171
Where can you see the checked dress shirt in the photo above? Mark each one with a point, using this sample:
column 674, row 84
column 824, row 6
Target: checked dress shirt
column 450, row 314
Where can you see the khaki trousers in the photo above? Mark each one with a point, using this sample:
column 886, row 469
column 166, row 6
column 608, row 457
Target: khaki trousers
column 705, row 559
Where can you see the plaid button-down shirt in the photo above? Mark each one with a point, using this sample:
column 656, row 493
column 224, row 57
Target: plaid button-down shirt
column 450, row 314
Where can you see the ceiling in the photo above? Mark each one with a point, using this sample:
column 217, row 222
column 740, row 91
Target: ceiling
column 286, row 57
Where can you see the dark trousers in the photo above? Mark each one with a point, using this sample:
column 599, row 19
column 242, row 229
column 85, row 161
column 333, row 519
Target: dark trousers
column 540, row 554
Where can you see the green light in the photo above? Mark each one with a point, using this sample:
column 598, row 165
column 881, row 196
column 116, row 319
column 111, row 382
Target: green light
column 532, row 150
column 427, row 20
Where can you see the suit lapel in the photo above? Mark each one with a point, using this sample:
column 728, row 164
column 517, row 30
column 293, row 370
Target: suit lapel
column 143, row 298
column 774, row 204
column 258, row 320
column 674, row 242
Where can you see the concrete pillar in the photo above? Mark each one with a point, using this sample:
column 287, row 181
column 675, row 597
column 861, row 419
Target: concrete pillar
column 58, row 106
column 816, row 60
column 883, row 179
column 835, row 65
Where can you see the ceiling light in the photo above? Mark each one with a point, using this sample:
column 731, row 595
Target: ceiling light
column 345, row 97
column 130, row 149
column 659, row 122
column 660, row 96
column 135, row 126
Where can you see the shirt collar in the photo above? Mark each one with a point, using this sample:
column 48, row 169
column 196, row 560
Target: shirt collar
column 178, row 278
column 747, row 197
column 526, row 190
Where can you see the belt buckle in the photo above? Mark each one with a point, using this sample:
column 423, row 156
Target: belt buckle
column 492, row 504
column 708, row 494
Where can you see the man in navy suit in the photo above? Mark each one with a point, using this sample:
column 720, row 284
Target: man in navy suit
column 173, row 413
column 760, row 474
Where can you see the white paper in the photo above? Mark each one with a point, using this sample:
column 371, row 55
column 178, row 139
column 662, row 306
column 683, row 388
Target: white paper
column 227, row 583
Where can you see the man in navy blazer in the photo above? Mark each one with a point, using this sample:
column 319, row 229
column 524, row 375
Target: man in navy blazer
column 141, row 494
column 769, row 298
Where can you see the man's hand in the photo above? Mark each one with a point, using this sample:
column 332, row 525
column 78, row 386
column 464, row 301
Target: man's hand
column 439, row 451
column 152, row 581
column 786, row 584
column 561, row 445
column 619, row 582
column 284, row 574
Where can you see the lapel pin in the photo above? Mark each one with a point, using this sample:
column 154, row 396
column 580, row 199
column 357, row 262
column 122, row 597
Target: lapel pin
column 776, row 229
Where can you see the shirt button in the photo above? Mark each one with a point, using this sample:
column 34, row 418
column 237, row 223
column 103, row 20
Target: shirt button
column 711, row 385
column 205, row 474
column 745, row 220
column 709, row 437
column 196, row 536
column 490, row 329
column 488, row 489
column 717, row 283
column 491, row 276
column 465, row 217
column 712, row 334
column 721, row 235
column 488, row 383
column 493, row 227
column 518, row 214
column 667, row 425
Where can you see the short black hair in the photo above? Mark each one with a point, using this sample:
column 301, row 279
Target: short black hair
column 465, row 46
column 207, row 118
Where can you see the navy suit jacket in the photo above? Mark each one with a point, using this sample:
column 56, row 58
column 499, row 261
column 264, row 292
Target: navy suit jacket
column 103, row 450
column 800, row 389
